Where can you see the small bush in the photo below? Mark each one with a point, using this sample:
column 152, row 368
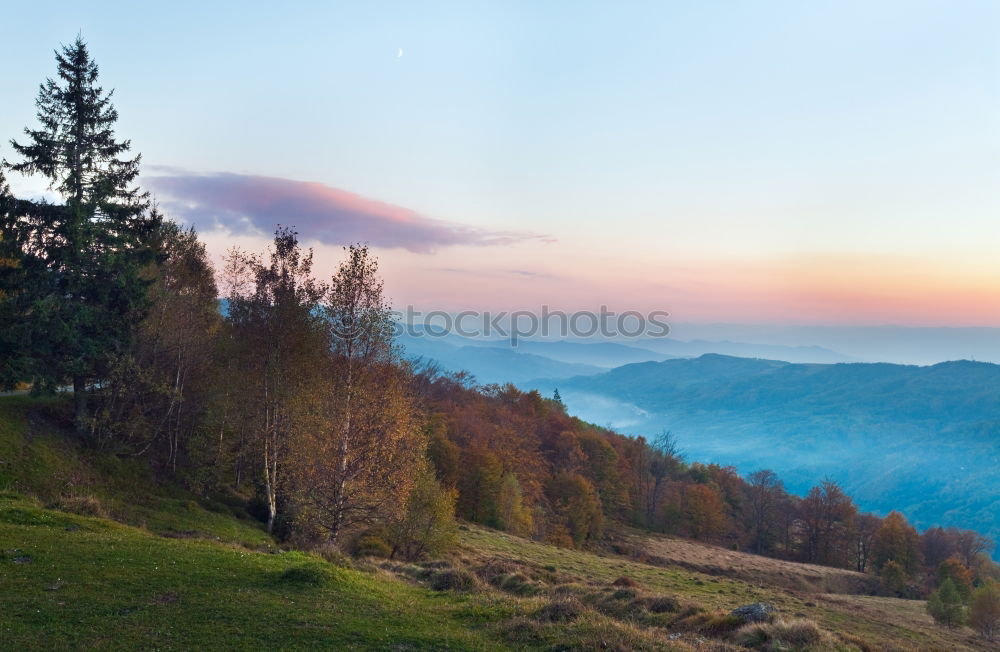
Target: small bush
column 560, row 611
column 715, row 623
column 335, row 556
column 660, row 604
column 371, row 545
column 519, row 584
column 495, row 570
column 780, row 635
column 625, row 582
column 453, row 579
column 945, row 605
column 83, row 505
column 624, row 594
column 303, row 576
column 799, row 633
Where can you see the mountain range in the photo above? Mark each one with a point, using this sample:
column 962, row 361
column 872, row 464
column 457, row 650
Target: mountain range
column 923, row 439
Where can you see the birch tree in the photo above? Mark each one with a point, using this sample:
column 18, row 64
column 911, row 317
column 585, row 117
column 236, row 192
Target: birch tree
column 281, row 344
column 361, row 466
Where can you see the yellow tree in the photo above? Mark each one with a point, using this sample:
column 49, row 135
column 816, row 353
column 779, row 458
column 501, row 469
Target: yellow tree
column 703, row 511
column 360, row 467
column 984, row 611
column 897, row 541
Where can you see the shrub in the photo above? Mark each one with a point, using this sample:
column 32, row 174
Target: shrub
column 335, row 556
column 718, row 624
column 303, row 576
column 780, row 635
column 560, row 611
column 623, row 594
column 984, row 611
column 496, row 569
column 428, row 526
column 945, row 605
column 709, row 623
column 371, row 545
column 519, row 584
column 799, row 633
column 625, row 581
column 83, row 505
column 453, row 579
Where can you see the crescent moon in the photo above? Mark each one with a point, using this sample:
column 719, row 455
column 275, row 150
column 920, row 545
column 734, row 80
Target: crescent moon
column 400, row 53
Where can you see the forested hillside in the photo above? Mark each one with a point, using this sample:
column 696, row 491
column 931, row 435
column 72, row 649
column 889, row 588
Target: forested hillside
column 925, row 440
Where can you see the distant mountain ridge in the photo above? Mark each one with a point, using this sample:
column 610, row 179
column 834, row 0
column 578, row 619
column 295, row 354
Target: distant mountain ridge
column 922, row 438
column 489, row 364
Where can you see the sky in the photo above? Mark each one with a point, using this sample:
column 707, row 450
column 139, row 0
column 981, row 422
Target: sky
column 727, row 161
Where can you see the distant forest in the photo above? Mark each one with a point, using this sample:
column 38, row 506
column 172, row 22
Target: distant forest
column 296, row 398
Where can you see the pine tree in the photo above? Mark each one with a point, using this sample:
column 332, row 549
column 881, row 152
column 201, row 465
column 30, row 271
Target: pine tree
column 84, row 255
column 10, row 255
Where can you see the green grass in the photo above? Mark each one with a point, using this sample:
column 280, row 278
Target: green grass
column 90, row 583
column 38, row 459
column 97, row 553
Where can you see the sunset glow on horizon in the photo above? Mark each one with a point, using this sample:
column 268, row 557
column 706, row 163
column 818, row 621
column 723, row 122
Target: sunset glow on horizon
column 788, row 163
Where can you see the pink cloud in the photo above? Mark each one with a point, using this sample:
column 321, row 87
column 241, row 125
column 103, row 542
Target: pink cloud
column 247, row 203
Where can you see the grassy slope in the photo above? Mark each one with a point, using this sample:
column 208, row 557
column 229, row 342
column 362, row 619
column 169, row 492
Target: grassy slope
column 885, row 623
column 74, row 581
column 38, row 459
column 187, row 573
column 90, row 582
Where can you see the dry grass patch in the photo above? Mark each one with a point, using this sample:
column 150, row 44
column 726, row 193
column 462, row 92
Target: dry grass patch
column 789, row 635
column 453, row 579
column 84, row 505
column 561, row 610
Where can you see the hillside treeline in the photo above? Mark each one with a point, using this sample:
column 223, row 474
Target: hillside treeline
column 291, row 393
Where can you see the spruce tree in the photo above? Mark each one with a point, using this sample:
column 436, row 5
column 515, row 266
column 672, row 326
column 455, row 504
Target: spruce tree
column 83, row 255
